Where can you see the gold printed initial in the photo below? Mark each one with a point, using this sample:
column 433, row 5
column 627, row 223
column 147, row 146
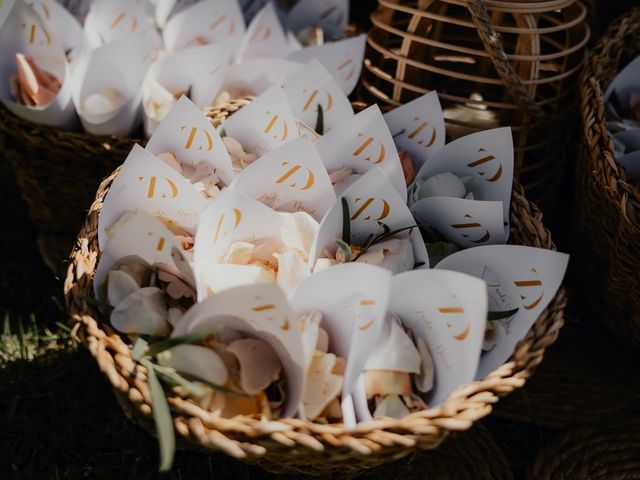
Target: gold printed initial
column 487, row 159
column 272, row 123
column 364, row 147
column 312, row 97
column 537, row 285
column 219, row 21
column 420, row 128
column 119, row 21
column 153, row 182
column 32, row 31
column 160, row 245
column 463, row 227
column 456, row 311
column 348, row 67
column 261, row 34
column 206, row 145
column 370, row 202
column 310, row 177
column 237, row 218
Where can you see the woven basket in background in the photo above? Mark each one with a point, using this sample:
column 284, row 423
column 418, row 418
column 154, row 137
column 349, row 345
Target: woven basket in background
column 608, row 224
column 58, row 172
column 495, row 63
column 293, row 445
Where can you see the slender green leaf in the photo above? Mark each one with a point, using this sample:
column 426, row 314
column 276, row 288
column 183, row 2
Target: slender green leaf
column 197, row 386
column 501, row 315
column 162, row 418
column 162, row 345
column 139, row 348
column 346, row 221
column 320, row 121
column 345, row 249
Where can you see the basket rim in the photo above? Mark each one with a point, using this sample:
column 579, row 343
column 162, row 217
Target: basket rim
column 249, row 438
column 607, row 171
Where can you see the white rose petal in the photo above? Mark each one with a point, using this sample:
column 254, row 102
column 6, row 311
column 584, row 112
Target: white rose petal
column 171, row 160
column 224, row 276
column 259, row 364
column 298, row 230
column 197, row 361
column 292, row 269
column 323, row 264
column 239, row 253
column 395, row 254
column 160, row 101
column 309, row 332
column 143, row 312
column 107, row 101
column 442, row 185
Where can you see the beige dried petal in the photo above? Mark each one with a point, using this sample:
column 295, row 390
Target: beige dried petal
column 222, row 98
column 340, row 174
column 221, row 277
column 142, row 312
column 323, row 264
column 119, row 286
column 333, row 411
column 322, row 386
column 228, row 406
column 176, row 287
column 323, row 340
column 493, row 335
column 100, row 103
column 391, row 406
column 196, row 361
column 174, row 315
column 298, row 231
column 394, row 349
column 309, row 330
column 259, row 364
column 137, row 268
column 233, row 146
column 342, row 185
column 171, row 160
column 442, row 185
column 292, row 270
column 239, row 253
column 395, row 254
column 387, row 382
column 160, row 100
column 406, row 161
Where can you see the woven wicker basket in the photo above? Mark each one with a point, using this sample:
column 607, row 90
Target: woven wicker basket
column 608, row 225
column 292, row 445
column 522, row 57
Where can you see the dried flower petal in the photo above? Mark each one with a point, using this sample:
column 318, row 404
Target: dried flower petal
column 106, row 101
column 239, row 253
column 323, row 264
column 33, row 86
column 406, row 161
column 391, row 406
column 424, row 380
column 119, row 286
column 394, row 350
column 224, row 276
column 176, row 287
column 171, row 160
column 387, row 382
column 493, row 335
column 395, row 254
column 259, row 364
column 142, row 312
column 442, row 185
column 196, row 361
column 298, row 230
column 292, row 270
column 322, row 386
column 160, row 100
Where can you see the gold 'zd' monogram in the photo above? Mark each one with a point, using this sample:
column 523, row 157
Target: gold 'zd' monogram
column 456, row 311
column 261, row 34
column 37, row 34
column 122, row 20
column 368, row 144
column 46, row 14
column 346, row 69
column 206, row 140
column 152, row 187
column 366, row 207
column 538, row 291
column 312, row 96
column 422, row 128
column 222, row 227
column 469, row 226
column 292, row 173
column 272, row 127
column 484, row 162
column 218, row 22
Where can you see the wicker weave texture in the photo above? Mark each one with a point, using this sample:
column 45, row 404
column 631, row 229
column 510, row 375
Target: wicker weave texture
column 608, row 224
column 522, row 58
column 292, row 445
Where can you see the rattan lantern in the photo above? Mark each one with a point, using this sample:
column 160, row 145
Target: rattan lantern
column 493, row 63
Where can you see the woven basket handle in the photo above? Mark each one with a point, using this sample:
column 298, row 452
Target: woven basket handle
column 493, row 44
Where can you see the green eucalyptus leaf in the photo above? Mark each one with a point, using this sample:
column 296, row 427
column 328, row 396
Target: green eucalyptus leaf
column 162, row 418
column 320, row 121
column 346, row 221
column 139, row 348
column 162, row 345
column 502, row 314
column 345, row 248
